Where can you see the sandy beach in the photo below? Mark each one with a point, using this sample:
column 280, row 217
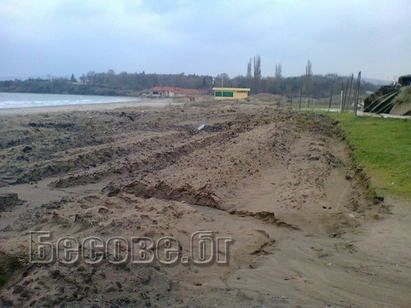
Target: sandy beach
column 284, row 216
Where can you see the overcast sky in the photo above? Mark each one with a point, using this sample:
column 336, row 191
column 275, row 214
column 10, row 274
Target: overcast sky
column 61, row 37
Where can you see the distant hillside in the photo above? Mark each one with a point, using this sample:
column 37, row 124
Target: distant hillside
column 125, row 84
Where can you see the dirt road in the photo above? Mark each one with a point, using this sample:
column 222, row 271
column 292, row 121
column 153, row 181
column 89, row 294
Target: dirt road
column 275, row 186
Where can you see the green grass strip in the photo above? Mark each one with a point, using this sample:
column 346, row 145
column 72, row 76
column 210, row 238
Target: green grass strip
column 383, row 148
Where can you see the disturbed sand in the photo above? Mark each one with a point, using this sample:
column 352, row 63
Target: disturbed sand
column 278, row 184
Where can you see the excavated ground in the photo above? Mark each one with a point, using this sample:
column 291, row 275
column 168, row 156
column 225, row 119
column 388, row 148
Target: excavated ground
column 278, row 183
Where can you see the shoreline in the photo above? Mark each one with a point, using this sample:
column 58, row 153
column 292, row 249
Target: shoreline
column 159, row 103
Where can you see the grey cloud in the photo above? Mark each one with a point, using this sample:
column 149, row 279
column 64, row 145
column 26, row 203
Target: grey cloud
column 205, row 37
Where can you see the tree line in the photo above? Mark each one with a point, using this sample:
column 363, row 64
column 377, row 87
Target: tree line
column 131, row 84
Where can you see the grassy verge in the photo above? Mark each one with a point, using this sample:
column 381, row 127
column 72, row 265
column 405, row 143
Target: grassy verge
column 382, row 147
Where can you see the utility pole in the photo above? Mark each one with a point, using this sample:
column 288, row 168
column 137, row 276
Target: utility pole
column 349, row 93
column 357, row 94
column 331, row 98
column 344, row 104
column 301, row 94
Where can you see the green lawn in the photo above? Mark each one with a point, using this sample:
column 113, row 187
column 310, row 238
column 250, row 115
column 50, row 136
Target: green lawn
column 383, row 148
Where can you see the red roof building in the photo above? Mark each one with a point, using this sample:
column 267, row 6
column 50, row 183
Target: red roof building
column 173, row 91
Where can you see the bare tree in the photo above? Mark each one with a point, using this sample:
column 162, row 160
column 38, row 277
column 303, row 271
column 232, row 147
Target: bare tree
column 90, row 76
column 278, row 71
column 249, row 75
column 278, row 78
column 111, row 72
column 257, row 74
column 308, row 80
column 83, row 78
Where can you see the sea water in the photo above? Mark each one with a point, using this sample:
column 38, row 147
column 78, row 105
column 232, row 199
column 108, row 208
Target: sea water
column 26, row 100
